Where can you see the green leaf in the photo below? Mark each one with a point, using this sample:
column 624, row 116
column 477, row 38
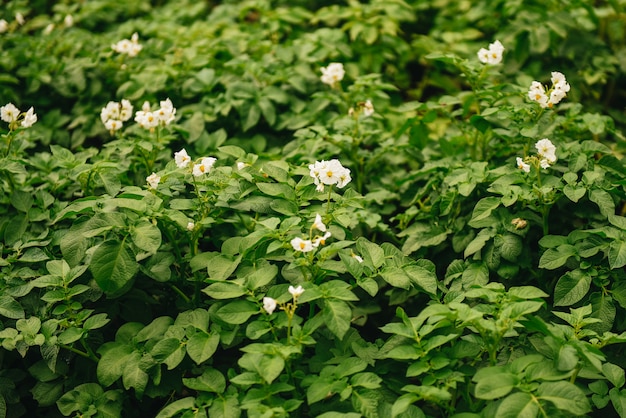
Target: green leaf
column 146, row 236
column 225, row 290
column 133, row 375
column 201, row 346
column 11, row 308
column 571, row 288
column 396, row 277
column 574, row 193
column 565, row 396
column 210, row 380
column 21, row 200
column 493, row 383
column 367, row 380
column 237, row 312
column 618, row 399
column 614, row 373
column 96, row 321
column 423, row 278
column 483, row 210
column 319, row 390
column 372, row 253
column 277, row 190
column 518, row 405
column 114, row 357
column 113, row 266
column 567, row 358
column 617, row 254
column 225, row 407
column 510, row 246
column 269, row 367
column 175, row 408
column 337, row 316
column 554, row 258
column 604, row 201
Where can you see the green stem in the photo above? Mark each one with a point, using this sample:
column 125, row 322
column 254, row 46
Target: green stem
column 80, row 353
column 180, row 293
column 330, row 189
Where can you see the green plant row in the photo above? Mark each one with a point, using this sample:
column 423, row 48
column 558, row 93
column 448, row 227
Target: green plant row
column 278, row 209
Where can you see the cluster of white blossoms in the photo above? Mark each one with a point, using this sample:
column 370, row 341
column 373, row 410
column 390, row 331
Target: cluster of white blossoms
column 366, row 108
column 153, row 180
column 114, row 114
column 329, row 173
column 269, row 304
column 130, row 47
column 546, row 156
column 493, row 55
column 182, row 160
column 307, row 245
column 332, row 74
column 537, row 92
column 148, row 119
column 16, row 118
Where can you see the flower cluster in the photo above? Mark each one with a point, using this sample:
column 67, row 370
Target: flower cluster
column 307, row 245
column 269, row 304
column 148, row 119
column 153, row 180
column 114, row 114
column 366, row 107
column 537, row 92
column 546, row 156
column 493, row 55
column 182, row 160
column 329, row 173
column 332, row 74
column 130, row 47
column 16, row 118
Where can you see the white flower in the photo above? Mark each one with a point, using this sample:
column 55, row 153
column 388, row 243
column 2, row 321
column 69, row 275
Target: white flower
column 537, row 93
column 368, row 108
column 147, row 120
column 329, row 172
column 48, row 29
column 333, row 73
column 357, row 257
column 296, row 291
column 68, row 21
column 19, row 18
column 522, row 165
column 125, row 110
column 153, row 180
column 546, row 150
column 318, row 224
column 129, row 47
column 181, row 158
column 543, row 163
column 29, row 118
column 190, row 226
column 559, row 82
column 110, row 111
column 304, row 245
column 493, row 55
column 557, row 92
column 269, row 304
column 113, row 125
column 4, row 26
column 204, row 166
column 321, row 240
column 167, row 112
column 241, row 165
column 9, row 113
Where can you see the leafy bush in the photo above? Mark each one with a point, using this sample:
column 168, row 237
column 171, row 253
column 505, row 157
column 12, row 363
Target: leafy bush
column 393, row 208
